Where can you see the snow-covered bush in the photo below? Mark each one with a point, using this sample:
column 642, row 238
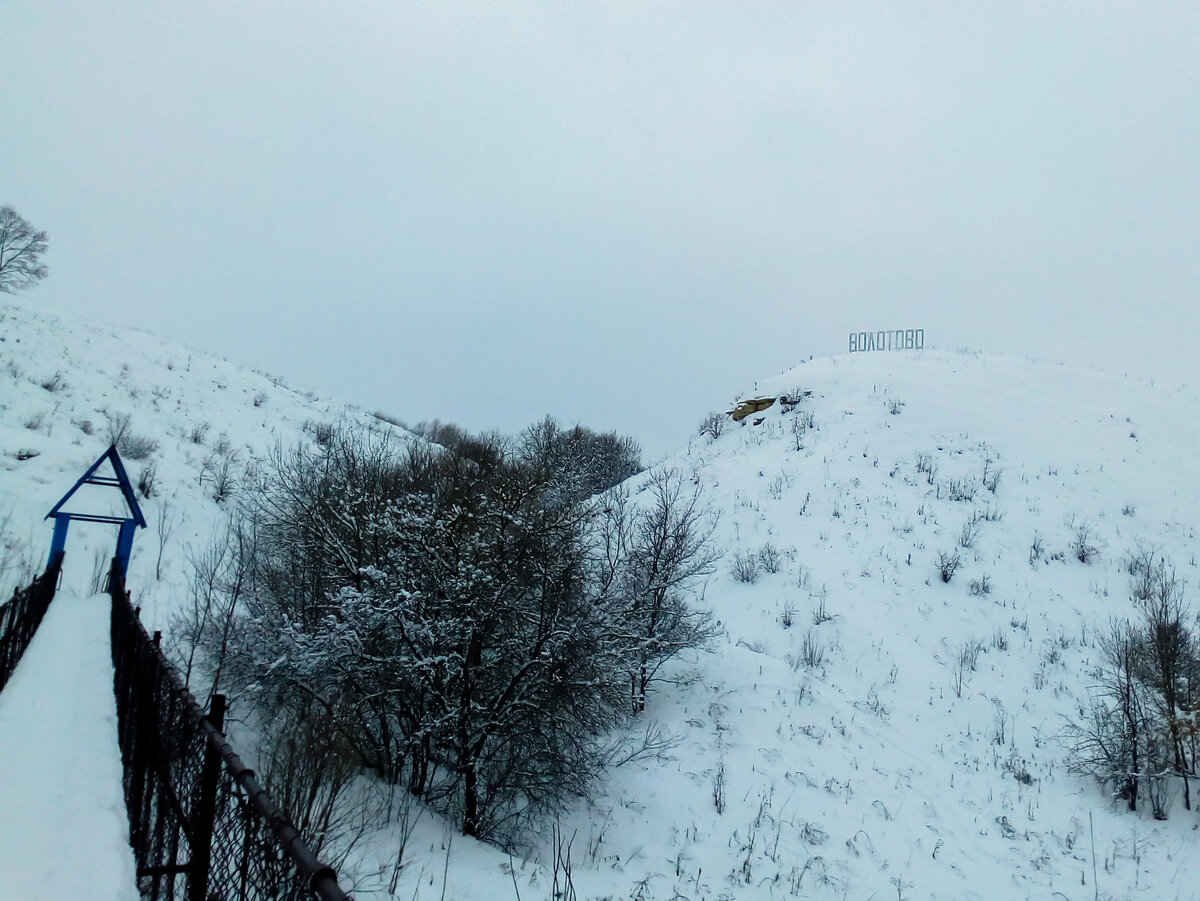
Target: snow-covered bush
column 712, row 425
column 1138, row 732
column 474, row 629
column 948, row 564
column 745, row 567
column 770, row 558
column 1083, row 543
column 981, row 586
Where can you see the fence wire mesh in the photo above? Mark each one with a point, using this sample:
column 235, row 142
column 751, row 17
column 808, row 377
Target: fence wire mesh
column 201, row 825
column 21, row 615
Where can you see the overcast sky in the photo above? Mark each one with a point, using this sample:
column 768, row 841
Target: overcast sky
column 616, row 213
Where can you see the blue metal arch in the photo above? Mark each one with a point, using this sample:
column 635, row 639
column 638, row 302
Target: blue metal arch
column 129, row 524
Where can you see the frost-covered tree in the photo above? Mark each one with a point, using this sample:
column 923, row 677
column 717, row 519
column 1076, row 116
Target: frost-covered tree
column 21, row 249
column 658, row 551
column 577, row 461
column 1139, row 730
column 454, row 616
column 1114, row 741
column 504, row 638
column 582, row 463
column 1169, row 665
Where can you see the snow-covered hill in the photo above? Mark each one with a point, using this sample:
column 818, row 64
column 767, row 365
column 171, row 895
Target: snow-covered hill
column 862, row 729
column 195, row 424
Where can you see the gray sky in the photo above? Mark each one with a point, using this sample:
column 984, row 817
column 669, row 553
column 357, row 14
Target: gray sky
column 616, row 213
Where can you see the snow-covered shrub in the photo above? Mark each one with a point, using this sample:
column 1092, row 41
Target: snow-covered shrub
column 1083, row 545
column 129, row 445
column 712, row 425
column 968, row 533
column 136, row 447
column 960, row 490
column 322, row 432
column 948, row 564
column 812, row 650
column 223, row 446
column 666, row 551
column 198, row 432
column 116, row 427
column 220, row 472
column 311, row 768
column 820, row 613
column 802, row 423
column 54, row 383
column 145, row 482
column 389, row 419
column 770, row 558
column 1037, row 547
column 745, row 567
column 927, row 465
column 991, row 477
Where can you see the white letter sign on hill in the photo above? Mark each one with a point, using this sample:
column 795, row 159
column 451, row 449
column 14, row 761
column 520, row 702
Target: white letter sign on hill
column 898, row 339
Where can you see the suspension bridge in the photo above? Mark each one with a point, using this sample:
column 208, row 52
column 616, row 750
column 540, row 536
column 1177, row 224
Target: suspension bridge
column 198, row 824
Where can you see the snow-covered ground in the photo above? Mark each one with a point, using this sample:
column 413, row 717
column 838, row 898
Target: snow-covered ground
column 64, row 832
column 66, row 385
column 831, row 744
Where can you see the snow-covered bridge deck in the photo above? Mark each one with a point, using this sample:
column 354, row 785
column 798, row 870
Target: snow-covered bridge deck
column 64, row 832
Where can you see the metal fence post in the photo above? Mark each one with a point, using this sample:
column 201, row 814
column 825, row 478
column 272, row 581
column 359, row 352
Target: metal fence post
column 206, row 808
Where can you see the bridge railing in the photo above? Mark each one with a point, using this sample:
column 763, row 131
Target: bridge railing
column 22, row 614
column 202, row 826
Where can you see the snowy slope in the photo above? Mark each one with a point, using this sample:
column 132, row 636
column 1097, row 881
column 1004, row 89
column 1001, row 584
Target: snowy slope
column 65, row 383
column 886, row 770
column 852, row 758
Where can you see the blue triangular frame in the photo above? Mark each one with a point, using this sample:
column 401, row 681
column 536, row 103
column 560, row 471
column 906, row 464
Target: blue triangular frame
column 129, row 524
column 121, row 481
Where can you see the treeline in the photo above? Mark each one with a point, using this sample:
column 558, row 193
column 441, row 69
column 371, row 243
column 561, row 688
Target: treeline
column 1138, row 735
column 470, row 620
column 584, row 462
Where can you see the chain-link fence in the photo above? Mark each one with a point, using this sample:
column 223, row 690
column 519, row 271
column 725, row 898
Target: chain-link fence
column 21, row 615
column 201, row 825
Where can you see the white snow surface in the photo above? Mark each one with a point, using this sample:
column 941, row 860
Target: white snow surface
column 64, row 833
column 869, row 774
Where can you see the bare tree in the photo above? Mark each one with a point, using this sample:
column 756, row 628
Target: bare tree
column 664, row 551
column 314, row 777
column 12, row 555
column 204, row 627
column 21, row 248
column 165, row 520
column 1169, row 660
column 1112, row 742
column 1139, row 730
